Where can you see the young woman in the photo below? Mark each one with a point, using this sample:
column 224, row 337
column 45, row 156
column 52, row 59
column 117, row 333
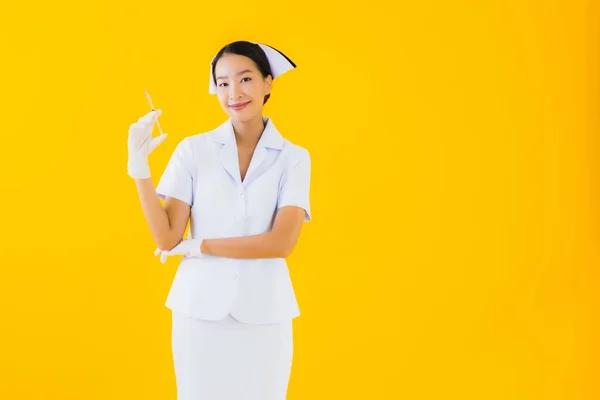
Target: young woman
column 244, row 188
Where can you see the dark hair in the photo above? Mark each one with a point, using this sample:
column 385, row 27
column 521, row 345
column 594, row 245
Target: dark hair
column 252, row 51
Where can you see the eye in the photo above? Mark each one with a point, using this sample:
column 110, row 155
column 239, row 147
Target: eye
column 249, row 79
column 221, row 84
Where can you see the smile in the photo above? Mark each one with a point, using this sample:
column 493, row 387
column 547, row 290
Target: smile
column 239, row 106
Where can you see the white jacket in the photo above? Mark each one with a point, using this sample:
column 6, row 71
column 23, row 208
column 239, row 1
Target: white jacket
column 204, row 172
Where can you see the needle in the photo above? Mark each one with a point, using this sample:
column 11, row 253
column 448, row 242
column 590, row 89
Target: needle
column 152, row 107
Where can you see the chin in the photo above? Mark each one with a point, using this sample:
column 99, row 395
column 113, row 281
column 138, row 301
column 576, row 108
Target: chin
column 247, row 115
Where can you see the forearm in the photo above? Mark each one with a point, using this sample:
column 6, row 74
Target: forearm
column 264, row 245
column 154, row 213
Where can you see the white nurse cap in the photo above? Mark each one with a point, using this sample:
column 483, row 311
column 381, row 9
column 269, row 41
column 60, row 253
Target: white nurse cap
column 278, row 62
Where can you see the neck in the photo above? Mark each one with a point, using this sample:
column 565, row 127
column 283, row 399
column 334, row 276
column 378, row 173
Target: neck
column 247, row 133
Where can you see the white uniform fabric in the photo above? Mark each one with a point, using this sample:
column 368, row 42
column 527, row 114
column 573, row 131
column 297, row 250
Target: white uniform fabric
column 204, row 172
column 229, row 360
column 232, row 317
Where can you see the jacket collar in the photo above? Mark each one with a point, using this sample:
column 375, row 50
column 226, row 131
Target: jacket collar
column 228, row 154
column 270, row 138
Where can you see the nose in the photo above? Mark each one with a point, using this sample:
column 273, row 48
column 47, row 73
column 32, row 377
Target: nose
column 234, row 92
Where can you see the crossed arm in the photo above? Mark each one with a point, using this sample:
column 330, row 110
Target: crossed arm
column 279, row 242
column 167, row 225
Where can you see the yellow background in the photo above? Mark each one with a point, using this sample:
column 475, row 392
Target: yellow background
column 454, row 248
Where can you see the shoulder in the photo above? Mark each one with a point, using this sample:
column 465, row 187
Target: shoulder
column 197, row 143
column 201, row 139
column 295, row 153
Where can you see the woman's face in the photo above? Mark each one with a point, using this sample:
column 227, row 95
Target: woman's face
column 241, row 88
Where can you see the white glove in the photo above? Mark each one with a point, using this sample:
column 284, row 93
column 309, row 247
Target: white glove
column 186, row 248
column 141, row 143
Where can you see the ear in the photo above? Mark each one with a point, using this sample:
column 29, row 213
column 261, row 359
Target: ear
column 268, row 83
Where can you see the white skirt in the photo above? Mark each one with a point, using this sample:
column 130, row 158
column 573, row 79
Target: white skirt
column 230, row 360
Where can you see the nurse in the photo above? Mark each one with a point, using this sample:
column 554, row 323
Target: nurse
column 244, row 189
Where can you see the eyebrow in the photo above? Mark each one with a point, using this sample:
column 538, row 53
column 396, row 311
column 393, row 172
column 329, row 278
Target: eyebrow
column 239, row 73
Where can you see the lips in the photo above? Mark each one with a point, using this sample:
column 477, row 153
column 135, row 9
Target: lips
column 239, row 106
